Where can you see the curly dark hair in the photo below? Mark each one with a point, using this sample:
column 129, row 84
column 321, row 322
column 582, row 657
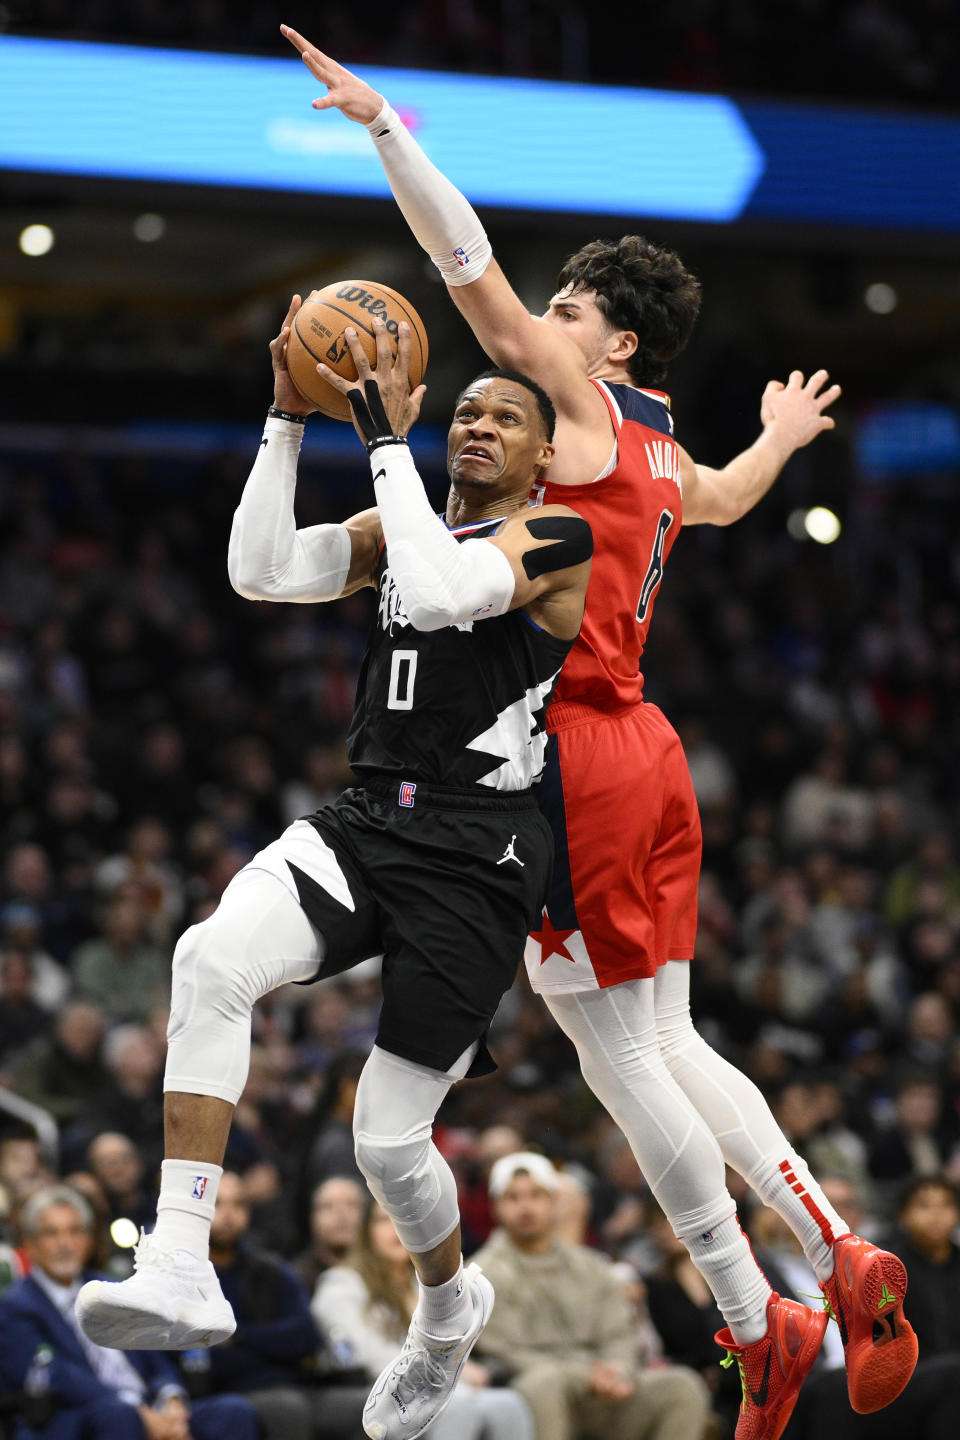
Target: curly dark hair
column 640, row 287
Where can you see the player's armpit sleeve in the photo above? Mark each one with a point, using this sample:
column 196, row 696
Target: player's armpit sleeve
column 442, row 220
column 268, row 557
column 440, row 581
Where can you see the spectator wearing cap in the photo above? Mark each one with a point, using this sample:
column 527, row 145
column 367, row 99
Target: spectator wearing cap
column 90, row 1391
column 562, row 1328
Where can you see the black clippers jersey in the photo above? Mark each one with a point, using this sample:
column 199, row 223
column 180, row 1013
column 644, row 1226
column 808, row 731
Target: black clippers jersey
column 459, row 707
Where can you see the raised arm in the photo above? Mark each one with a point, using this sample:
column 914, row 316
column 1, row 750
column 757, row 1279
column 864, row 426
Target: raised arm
column 268, row 557
column 449, row 230
column 792, row 415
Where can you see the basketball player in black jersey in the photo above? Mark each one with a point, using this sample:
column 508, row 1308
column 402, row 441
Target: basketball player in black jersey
column 438, row 859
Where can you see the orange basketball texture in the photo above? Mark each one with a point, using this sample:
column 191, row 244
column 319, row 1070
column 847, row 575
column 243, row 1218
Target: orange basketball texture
column 317, row 337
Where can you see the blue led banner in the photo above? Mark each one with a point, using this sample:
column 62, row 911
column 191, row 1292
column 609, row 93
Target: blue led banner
column 132, row 113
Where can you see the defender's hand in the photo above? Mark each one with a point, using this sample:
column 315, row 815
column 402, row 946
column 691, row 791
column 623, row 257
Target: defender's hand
column 286, row 396
column 796, row 410
column 381, row 398
column 345, row 91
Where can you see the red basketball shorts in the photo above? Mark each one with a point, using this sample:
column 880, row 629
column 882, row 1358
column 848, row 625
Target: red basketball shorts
column 623, row 900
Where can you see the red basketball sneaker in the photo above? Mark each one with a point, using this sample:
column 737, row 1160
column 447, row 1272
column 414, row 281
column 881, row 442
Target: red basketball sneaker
column 865, row 1297
column 773, row 1368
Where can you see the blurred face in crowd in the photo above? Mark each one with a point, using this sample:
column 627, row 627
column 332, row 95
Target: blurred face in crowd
column 116, row 1164
column 60, row 1245
column 526, row 1211
column 337, row 1215
column 930, row 1216
column 918, row 1107
column 20, row 1161
column 231, row 1218
column 80, row 1030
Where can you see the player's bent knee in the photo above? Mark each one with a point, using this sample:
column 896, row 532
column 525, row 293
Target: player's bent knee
column 398, row 1173
column 211, row 969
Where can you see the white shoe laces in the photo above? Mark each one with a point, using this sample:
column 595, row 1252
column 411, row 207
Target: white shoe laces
column 421, row 1370
column 149, row 1255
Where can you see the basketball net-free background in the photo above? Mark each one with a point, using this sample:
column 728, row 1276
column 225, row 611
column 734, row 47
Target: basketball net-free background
column 155, row 729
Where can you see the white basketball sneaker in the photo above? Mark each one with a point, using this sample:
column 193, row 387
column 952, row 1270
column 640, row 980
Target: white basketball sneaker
column 413, row 1389
column 172, row 1301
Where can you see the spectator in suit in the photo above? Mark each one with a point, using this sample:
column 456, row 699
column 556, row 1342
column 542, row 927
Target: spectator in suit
column 82, row 1391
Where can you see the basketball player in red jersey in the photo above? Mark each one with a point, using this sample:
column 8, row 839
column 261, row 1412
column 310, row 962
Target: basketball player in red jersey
column 611, row 956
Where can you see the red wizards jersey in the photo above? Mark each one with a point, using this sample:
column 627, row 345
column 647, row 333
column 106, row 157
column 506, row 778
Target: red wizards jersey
column 635, row 511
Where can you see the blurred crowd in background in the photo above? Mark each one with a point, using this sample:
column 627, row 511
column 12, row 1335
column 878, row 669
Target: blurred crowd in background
column 879, row 49
column 155, row 730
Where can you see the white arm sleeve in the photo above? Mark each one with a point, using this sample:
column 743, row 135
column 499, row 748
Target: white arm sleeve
column 268, row 557
column 440, row 581
column 442, row 220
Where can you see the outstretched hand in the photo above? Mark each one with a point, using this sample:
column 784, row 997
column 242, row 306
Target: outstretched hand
column 286, row 396
column 385, row 389
column 796, row 410
column 345, row 91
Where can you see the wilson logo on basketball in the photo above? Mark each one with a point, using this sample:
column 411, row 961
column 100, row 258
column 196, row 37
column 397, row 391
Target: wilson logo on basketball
column 371, row 303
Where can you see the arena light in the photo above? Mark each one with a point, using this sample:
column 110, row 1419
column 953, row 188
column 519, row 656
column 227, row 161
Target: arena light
column 36, row 239
column 124, row 1233
column 881, row 298
column 822, row 525
column 149, row 227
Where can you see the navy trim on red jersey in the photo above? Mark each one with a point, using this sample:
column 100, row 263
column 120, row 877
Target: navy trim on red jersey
column 561, row 906
column 643, row 409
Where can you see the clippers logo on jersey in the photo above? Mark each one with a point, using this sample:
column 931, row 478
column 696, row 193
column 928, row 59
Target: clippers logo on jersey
column 407, row 791
column 390, row 609
column 199, row 1186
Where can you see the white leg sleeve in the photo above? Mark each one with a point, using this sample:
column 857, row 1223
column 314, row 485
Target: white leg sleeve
column 742, row 1121
column 615, row 1033
column 616, row 1039
column 392, row 1131
column 256, row 939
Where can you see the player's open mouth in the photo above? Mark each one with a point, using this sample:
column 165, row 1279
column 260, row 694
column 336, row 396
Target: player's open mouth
column 475, row 452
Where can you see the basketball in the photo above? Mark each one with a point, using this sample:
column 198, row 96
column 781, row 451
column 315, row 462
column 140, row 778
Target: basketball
column 318, row 337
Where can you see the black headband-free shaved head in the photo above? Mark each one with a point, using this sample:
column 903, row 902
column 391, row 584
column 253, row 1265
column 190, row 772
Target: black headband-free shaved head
column 548, row 415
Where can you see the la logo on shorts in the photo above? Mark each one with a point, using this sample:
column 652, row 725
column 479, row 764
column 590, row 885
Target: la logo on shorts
column 406, row 793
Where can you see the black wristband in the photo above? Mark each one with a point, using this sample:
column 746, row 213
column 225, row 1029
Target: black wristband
column 286, row 415
column 379, row 440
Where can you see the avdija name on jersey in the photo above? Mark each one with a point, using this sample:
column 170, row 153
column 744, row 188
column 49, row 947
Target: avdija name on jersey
column 664, row 458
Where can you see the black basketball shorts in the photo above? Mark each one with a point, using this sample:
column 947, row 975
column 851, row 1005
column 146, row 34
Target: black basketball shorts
column 445, row 885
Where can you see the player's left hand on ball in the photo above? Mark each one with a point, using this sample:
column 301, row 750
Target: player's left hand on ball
column 797, row 408
column 286, row 396
column 389, row 384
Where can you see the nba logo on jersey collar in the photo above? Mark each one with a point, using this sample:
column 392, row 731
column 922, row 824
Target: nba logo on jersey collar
column 406, row 793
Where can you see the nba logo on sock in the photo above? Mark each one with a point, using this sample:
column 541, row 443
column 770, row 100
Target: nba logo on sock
column 199, row 1185
column 406, row 793
column 707, row 1236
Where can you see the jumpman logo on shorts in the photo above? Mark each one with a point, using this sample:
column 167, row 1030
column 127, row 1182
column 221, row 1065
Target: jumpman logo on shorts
column 510, row 854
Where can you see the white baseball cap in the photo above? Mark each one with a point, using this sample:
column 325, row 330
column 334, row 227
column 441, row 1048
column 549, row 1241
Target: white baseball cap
column 522, row 1162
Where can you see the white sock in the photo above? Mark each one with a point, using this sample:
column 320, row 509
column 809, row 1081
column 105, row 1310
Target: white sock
column 784, row 1182
column 188, row 1194
column 725, row 1260
column 445, row 1310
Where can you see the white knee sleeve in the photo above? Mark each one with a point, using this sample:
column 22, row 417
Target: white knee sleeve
column 257, row 938
column 392, row 1128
